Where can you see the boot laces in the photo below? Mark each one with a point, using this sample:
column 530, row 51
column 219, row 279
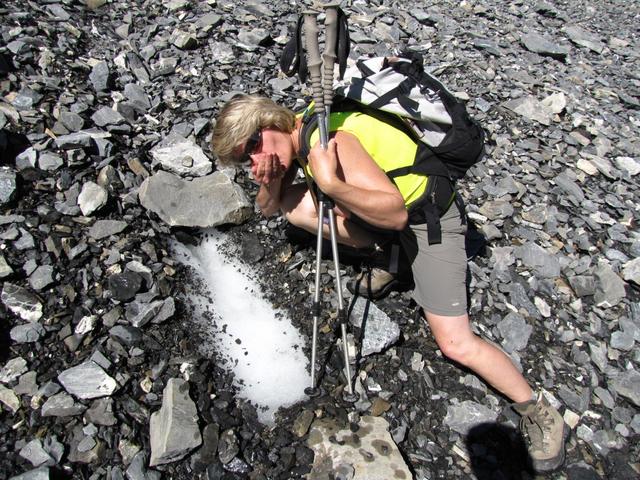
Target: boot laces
column 536, row 428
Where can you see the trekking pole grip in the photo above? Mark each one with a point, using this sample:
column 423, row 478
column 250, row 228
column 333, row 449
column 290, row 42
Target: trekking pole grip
column 314, row 62
column 329, row 55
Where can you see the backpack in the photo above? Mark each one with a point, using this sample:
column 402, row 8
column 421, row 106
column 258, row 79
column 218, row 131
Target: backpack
column 400, row 92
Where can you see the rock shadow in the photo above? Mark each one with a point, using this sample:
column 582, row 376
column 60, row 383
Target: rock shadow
column 498, row 452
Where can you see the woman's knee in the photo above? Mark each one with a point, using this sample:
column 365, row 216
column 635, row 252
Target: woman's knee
column 461, row 351
column 454, row 337
column 298, row 207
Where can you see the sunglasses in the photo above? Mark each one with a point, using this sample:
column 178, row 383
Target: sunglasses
column 251, row 146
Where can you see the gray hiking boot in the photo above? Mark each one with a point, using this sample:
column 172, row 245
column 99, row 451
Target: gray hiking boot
column 544, row 431
column 375, row 283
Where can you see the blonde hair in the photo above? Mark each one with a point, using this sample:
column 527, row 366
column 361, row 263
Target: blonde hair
column 240, row 118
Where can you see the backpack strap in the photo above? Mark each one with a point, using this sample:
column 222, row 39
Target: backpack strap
column 309, row 125
column 293, row 59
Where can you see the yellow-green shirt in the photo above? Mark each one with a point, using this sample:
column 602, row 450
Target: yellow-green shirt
column 389, row 147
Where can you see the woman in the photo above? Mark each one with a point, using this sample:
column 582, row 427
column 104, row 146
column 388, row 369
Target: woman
column 351, row 171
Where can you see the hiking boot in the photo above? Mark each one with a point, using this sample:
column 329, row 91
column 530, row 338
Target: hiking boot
column 544, row 431
column 376, row 283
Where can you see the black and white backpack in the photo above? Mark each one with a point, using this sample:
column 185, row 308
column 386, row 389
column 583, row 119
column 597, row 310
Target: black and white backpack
column 399, row 91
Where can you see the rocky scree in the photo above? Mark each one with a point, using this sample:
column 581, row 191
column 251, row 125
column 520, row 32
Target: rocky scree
column 105, row 115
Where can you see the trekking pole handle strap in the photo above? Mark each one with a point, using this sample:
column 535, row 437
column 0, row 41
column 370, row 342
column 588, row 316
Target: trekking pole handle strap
column 314, row 62
column 329, row 55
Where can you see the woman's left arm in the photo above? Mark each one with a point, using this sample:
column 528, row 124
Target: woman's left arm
column 348, row 174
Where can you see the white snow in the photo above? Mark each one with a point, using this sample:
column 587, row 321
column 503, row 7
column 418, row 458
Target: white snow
column 262, row 346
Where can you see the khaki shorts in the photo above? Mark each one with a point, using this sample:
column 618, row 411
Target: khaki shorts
column 439, row 270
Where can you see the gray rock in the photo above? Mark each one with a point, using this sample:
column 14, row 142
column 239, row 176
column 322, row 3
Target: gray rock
column 71, row 120
column 538, row 259
column 124, row 286
column 58, row 12
column 86, row 444
column 101, row 412
column 35, row 453
column 628, row 164
column 182, row 156
column 605, row 440
column 25, row 242
column 598, row 353
column 81, row 139
column 531, row 108
column 209, row 20
column 126, row 334
column 87, row 380
column 139, row 314
column 100, row 77
column 584, row 38
column 631, row 271
column 26, row 159
column 50, row 162
column 578, row 402
column 622, row 341
column 583, row 285
column 174, row 430
column 166, row 311
column 42, row 277
column 9, row 399
column 137, row 95
column 374, row 456
column 105, row 228
column 83, row 449
column 21, row 302
column 610, row 287
column 27, row 333
column 203, row 202
column 41, row 473
column 222, row 53
column 544, row 46
column 515, row 332
column 137, row 67
column 183, row 40
column 27, row 384
column 206, row 455
column 519, row 297
column 5, row 269
column 497, row 209
column 7, row 184
column 13, row 369
column 61, row 405
column 465, row 415
column 627, row 385
column 228, row 446
column 92, row 198
column 26, row 99
column 253, row 38
column 137, row 469
column 380, row 331
column 570, row 187
column 606, row 397
column 107, row 116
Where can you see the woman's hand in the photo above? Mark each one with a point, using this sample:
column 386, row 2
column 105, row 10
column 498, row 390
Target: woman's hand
column 324, row 165
column 266, row 168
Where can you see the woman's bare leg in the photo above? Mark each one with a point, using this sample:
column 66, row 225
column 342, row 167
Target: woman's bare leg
column 458, row 342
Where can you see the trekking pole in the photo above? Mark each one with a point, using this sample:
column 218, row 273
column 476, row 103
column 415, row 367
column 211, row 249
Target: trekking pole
column 321, row 92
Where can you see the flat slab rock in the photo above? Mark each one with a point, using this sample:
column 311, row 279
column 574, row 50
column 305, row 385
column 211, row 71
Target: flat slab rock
column 203, row 202
column 174, row 428
column 367, row 454
column 87, row 380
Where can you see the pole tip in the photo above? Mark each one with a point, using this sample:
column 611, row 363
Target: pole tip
column 350, row 397
column 312, row 391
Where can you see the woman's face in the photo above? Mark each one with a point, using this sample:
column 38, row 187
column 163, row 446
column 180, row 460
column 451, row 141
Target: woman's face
column 273, row 141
